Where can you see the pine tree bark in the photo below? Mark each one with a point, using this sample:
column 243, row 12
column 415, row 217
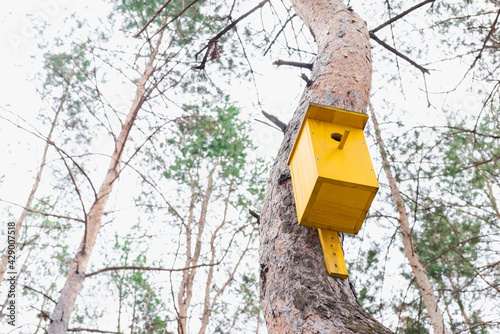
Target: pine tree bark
column 298, row 295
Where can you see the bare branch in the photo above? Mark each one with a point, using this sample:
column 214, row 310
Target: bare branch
column 306, row 79
column 79, row 329
column 270, row 125
column 44, row 213
column 255, row 215
column 223, row 32
column 490, row 33
column 43, row 294
column 77, row 189
column 60, row 150
column 177, row 16
column 397, row 17
column 452, row 247
column 275, row 121
column 397, row 53
column 154, row 17
column 279, row 32
column 150, row 268
column 280, row 62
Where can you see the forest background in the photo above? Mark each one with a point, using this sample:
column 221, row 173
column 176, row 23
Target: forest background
column 195, row 164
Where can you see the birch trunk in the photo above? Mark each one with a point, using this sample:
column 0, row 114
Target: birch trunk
column 31, row 197
column 185, row 293
column 298, row 295
column 424, row 285
column 76, row 273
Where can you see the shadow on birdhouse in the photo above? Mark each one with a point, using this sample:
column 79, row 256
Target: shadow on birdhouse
column 333, row 178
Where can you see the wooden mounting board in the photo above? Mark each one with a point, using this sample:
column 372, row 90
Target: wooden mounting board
column 333, row 253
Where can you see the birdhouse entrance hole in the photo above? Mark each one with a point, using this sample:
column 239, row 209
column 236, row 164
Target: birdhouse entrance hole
column 336, row 136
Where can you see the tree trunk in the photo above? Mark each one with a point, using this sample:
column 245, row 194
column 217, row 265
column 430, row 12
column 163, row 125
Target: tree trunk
column 298, row 295
column 424, row 285
column 59, row 319
column 31, row 197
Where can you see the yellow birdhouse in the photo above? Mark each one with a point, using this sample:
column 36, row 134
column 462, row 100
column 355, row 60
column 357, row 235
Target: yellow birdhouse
column 333, row 178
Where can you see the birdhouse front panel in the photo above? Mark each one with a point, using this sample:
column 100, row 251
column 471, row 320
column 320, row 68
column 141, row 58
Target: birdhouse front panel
column 334, row 181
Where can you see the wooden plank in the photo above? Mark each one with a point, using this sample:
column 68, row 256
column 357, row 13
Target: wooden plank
column 332, row 115
column 304, row 173
column 336, row 115
column 333, row 253
column 351, row 164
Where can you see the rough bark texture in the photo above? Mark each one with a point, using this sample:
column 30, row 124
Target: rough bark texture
column 298, row 295
column 424, row 285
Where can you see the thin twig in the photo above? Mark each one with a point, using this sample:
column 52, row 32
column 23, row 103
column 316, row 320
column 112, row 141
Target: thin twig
column 176, row 16
column 279, row 32
column 154, row 17
column 44, row 213
column 150, row 268
column 223, row 32
column 79, row 329
column 485, row 41
column 280, row 62
column 397, row 17
column 396, row 52
column 43, row 294
column 270, row 125
column 451, row 248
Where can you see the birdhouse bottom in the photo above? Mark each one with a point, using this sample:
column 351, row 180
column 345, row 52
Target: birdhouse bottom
column 337, row 206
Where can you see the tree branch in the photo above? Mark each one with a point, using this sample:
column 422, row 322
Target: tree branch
column 451, row 248
column 275, row 121
column 255, row 215
column 397, row 53
column 79, row 329
column 265, row 123
column 280, row 62
column 152, row 19
column 397, row 17
column 149, row 268
column 177, row 16
column 43, row 294
column 223, row 32
column 485, row 41
column 279, row 32
column 306, row 79
column 44, row 213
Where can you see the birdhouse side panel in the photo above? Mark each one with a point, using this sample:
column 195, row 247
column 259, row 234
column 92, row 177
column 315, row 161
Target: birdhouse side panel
column 303, row 171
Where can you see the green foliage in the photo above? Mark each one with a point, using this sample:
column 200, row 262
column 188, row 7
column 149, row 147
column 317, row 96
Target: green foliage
column 450, row 179
column 204, row 141
column 136, row 292
column 62, row 68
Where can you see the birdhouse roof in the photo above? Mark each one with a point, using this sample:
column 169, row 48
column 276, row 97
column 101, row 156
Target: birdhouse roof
column 331, row 115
